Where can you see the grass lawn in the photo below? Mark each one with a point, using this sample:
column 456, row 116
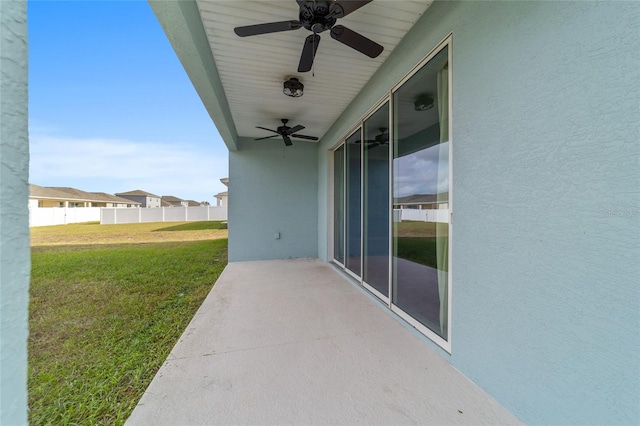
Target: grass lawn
column 94, row 233
column 108, row 302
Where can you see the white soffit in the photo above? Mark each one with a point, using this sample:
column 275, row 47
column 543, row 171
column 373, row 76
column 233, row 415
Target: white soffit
column 252, row 69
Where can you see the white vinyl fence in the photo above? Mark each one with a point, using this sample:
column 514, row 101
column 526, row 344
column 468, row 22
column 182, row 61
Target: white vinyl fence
column 47, row 216
column 111, row 216
column 426, row 215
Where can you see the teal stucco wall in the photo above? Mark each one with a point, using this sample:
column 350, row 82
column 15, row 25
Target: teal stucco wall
column 546, row 200
column 273, row 189
column 14, row 216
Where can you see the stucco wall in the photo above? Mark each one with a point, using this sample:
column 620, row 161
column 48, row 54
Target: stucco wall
column 546, row 182
column 14, row 216
column 273, row 188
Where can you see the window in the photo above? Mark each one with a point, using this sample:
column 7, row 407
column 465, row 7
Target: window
column 391, row 186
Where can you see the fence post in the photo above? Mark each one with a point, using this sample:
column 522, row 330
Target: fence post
column 186, row 213
column 139, row 215
column 163, row 213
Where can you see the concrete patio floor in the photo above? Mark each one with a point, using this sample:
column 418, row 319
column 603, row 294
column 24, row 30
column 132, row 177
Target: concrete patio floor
column 294, row 342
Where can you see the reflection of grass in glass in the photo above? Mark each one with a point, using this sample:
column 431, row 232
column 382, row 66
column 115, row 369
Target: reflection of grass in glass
column 419, row 250
column 420, row 229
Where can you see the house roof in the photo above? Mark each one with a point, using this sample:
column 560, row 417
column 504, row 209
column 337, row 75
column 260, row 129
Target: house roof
column 171, row 199
column 422, row 199
column 239, row 79
column 222, row 194
column 42, row 192
column 194, row 203
column 114, row 198
column 78, row 194
column 139, row 193
column 73, row 194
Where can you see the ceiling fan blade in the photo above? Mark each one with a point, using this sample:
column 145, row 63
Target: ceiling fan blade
column 266, row 137
column 287, row 140
column 356, row 41
column 308, row 53
column 294, row 129
column 311, row 138
column 342, row 8
column 270, row 27
column 373, row 145
column 264, row 128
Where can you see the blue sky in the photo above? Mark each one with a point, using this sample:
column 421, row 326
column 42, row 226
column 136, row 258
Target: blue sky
column 110, row 107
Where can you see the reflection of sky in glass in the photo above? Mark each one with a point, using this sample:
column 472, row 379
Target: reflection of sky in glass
column 423, row 172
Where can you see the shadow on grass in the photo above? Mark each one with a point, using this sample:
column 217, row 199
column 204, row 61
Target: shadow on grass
column 195, row 226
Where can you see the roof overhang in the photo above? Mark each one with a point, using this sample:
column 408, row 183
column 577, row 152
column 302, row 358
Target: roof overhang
column 239, row 79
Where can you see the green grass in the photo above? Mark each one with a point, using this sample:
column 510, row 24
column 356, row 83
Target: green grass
column 94, row 233
column 416, row 241
column 103, row 319
column 419, row 250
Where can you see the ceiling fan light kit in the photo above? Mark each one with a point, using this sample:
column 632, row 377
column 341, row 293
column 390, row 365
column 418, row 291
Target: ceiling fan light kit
column 423, row 102
column 293, row 87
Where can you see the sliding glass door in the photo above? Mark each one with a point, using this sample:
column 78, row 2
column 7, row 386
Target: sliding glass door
column 391, row 199
column 376, row 200
column 421, row 195
column 353, row 203
column 338, row 204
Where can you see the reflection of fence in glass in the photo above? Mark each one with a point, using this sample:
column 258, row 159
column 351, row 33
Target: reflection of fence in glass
column 426, row 215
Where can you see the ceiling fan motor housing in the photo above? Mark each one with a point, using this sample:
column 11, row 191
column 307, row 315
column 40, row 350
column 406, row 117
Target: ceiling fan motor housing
column 316, row 16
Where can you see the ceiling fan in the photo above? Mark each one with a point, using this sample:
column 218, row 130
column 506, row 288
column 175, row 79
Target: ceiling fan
column 287, row 133
column 380, row 139
column 318, row 16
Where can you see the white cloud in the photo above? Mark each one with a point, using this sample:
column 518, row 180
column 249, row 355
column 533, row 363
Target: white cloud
column 423, row 172
column 116, row 165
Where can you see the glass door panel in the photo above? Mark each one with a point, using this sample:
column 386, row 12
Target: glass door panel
column 376, row 200
column 338, row 204
column 353, row 203
column 421, row 195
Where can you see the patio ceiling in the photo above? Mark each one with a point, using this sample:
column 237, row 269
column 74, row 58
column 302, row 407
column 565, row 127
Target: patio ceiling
column 251, row 70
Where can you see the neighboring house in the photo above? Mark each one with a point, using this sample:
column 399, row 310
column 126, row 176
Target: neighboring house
column 40, row 196
column 145, row 199
column 223, row 197
column 109, row 200
column 171, row 201
column 194, row 203
column 422, row 201
column 524, row 113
